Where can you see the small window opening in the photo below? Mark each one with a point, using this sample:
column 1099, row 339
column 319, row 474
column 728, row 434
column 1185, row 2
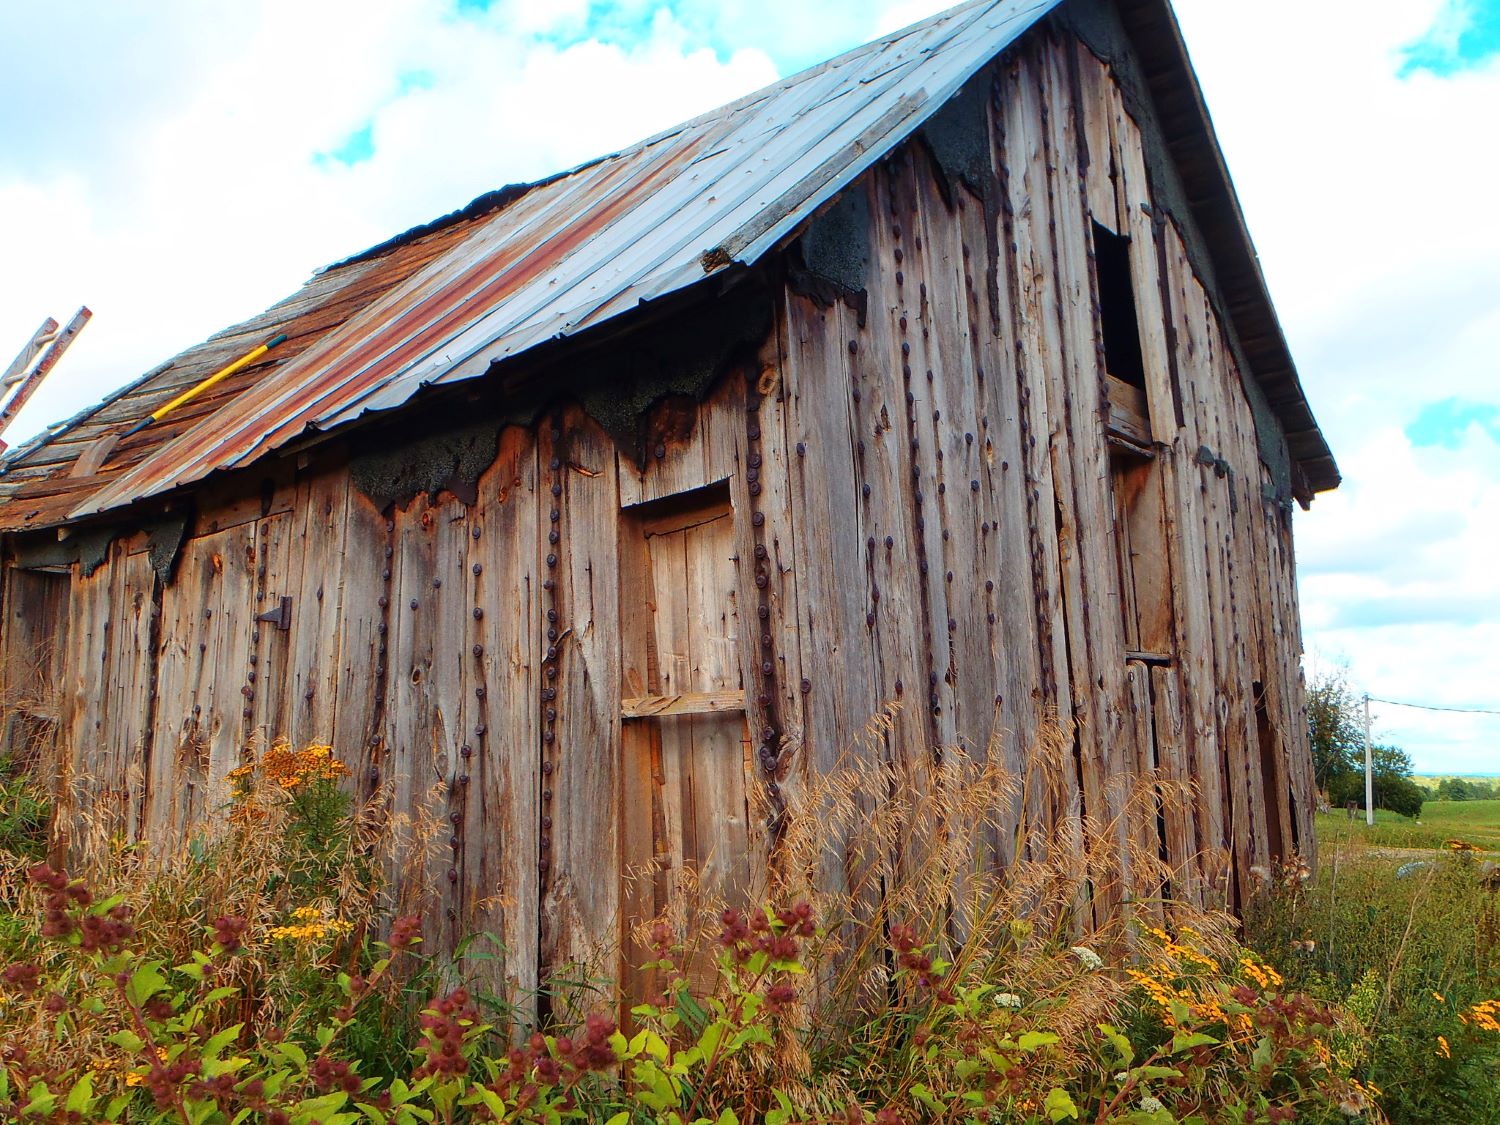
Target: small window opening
column 1142, row 560
column 1122, row 333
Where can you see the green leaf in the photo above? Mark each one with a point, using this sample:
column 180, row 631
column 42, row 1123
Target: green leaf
column 323, row 1106
column 728, row 1118
column 216, row 1043
column 493, row 1101
column 654, row 1045
column 80, row 1095
column 1149, row 1072
column 1185, row 1041
column 619, row 1118
column 128, row 1040
column 145, row 983
column 1035, row 1040
column 927, row 1098
column 292, row 1053
column 708, row 1042
column 42, row 1099
column 1060, row 1106
column 1119, row 1043
column 373, row 1113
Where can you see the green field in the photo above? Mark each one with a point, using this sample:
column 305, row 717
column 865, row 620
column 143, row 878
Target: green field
column 1475, row 822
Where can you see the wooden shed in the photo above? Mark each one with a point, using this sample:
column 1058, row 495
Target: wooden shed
column 605, row 511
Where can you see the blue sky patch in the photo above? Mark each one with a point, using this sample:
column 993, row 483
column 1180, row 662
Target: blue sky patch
column 410, row 80
column 358, row 147
column 1465, row 35
column 1445, row 423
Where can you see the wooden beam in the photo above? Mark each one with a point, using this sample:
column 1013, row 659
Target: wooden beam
column 54, row 350
column 688, row 703
column 39, row 339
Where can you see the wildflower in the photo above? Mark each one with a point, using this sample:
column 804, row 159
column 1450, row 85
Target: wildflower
column 1007, row 1000
column 1485, row 1015
column 1263, row 975
column 23, row 978
column 1442, row 1047
column 1151, row 1105
column 1439, row 997
column 1090, row 960
column 406, row 931
column 228, row 930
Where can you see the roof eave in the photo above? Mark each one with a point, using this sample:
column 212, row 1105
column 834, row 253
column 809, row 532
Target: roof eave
column 1194, row 146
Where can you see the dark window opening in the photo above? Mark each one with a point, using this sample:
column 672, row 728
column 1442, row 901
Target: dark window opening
column 1122, row 333
column 1270, row 753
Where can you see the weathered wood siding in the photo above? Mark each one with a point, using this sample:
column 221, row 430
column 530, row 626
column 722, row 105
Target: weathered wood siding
column 923, row 501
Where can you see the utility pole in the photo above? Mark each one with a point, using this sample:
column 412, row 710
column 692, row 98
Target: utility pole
column 1369, row 769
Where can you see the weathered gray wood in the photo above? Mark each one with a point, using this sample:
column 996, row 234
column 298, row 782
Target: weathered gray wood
column 580, row 768
column 502, row 677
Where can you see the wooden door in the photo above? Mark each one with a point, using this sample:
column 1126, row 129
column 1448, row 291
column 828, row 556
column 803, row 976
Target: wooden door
column 685, row 789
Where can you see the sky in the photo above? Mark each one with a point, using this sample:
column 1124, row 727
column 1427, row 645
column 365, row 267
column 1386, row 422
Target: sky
column 179, row 166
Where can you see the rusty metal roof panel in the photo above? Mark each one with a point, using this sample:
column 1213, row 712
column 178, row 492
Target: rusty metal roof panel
column 46, row 478
column 582, row 248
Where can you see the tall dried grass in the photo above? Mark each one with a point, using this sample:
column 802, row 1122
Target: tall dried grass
column 1000, row 873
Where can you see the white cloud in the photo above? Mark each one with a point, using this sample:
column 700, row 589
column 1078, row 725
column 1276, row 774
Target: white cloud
column 1371, row 199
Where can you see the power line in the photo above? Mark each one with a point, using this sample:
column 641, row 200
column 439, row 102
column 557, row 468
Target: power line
column 1434, row 707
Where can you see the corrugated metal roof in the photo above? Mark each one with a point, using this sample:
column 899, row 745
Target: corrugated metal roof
column 580, row 249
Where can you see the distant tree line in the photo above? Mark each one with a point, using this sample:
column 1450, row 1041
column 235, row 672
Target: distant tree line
column 1463, row 789
column 1336, row 724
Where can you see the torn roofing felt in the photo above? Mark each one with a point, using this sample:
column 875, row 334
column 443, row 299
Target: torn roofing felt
column 573, row 252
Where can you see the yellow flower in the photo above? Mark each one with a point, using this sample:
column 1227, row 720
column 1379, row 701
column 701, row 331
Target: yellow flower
column 1443, row 1047
column 1484, row 1015
column 1439, row 997
column 1262, row 975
